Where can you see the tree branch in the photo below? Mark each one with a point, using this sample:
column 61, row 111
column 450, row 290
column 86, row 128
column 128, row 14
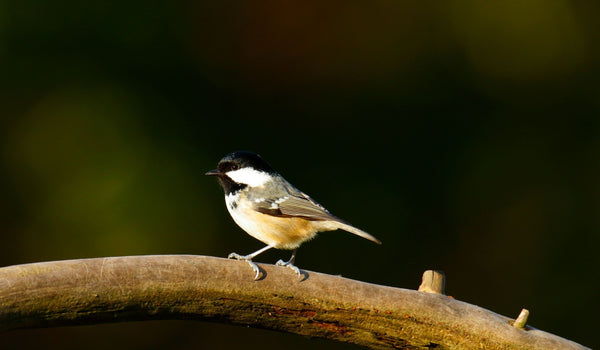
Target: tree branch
column 91, row 291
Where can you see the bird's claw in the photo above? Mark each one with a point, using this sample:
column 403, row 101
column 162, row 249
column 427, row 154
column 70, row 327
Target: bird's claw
column 247, row 259
column 291, row 266
column 236, row 256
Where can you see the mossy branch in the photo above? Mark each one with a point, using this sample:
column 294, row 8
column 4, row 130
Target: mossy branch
column 92, row 291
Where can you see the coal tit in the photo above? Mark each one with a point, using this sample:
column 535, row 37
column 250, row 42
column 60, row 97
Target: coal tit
column 270, row 209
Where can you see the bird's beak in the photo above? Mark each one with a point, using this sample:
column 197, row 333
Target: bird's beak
column 214, row 173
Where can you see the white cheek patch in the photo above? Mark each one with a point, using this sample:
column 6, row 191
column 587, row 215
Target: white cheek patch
column 249, row 176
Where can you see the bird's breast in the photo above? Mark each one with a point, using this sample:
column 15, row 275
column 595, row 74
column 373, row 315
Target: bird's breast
column 280, row 232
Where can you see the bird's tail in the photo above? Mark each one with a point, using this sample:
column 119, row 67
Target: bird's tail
column 358, row 232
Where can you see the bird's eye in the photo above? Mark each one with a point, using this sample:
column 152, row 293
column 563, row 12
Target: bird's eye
column 234, row 166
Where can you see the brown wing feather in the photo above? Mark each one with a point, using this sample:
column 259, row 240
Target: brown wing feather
column 305, row 207
column 296, row 206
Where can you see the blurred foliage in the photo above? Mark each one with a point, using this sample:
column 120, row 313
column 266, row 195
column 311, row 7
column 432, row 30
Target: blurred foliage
column 463, row 134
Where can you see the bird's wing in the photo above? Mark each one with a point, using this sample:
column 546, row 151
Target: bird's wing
column 295, row 205
column 301, row 205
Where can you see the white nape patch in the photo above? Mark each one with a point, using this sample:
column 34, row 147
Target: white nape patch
column 249, row 176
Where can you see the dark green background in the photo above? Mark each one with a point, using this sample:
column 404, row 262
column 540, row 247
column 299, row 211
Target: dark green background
column 463, row 134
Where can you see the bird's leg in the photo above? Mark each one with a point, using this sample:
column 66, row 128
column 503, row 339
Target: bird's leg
column 290, row 264
column 248, row 258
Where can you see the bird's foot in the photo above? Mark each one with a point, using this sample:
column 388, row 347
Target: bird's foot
column 248, row 259
column 290, row 265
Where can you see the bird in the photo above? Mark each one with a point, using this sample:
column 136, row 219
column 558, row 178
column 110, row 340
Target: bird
column 272, row 210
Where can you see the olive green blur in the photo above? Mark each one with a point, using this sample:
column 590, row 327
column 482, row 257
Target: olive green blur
column 463, row 134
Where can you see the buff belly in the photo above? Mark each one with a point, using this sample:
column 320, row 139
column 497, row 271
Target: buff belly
column 279, row 232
